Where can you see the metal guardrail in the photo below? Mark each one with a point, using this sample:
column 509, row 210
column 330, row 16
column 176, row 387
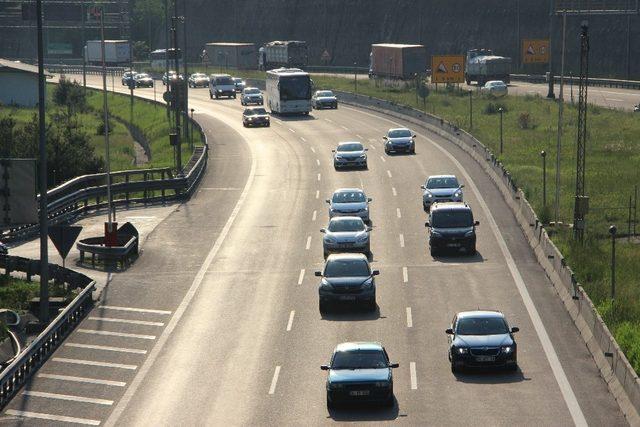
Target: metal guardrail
column 593, row 81
column 36, row 353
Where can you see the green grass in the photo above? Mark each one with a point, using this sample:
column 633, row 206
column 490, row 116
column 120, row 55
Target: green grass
column 15, row 293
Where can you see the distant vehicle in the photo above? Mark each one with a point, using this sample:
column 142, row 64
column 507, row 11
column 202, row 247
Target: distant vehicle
column 239, row 84
column 482, row 339
column 397, row 61
column 288, row 54
column 636, row 108
column 347, row 278
column 495, row 88
column 251, row 95
column 482, row 66
column 160, row 57
column 451, row 227
column 128, row 77
column 359, row 372
column 231, row 55
column 116, row 52
column 350, row 155
column 172, row 77
column 221, row 85
column 255, row 116
column 346, row 234
column 4, row 249
column 399, row 139
column 324, row 99
column 349, row 202
column 441, row 188
column 289, row 91
column 198, row 80
column 143, row 80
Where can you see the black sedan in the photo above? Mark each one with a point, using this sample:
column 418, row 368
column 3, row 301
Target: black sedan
column 255, row 116
column 143, row 80
column 360, row 372
column 481, row 339
column 347, row 278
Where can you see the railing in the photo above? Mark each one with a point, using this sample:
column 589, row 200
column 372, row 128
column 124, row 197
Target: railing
column 593, row 81
column 36, row 353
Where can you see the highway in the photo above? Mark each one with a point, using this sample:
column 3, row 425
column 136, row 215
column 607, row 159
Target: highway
column 217, row 323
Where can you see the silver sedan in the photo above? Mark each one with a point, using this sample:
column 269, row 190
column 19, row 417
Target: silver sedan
column 349, row 202
column 350, row 155
column 346, row 234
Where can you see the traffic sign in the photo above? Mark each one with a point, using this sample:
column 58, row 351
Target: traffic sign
column 447, row 69
column 63, row 237
column 535, row 51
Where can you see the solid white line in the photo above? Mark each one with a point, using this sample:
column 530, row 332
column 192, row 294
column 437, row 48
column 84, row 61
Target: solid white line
column 68, row 397
column 393, row 190
column 139, row 310
column 94, row 363
column 319, row 176
column 315, row 215
column 615, row 99
column 409, row 318
column 317, row 194
column 401, row 240
column 106, row 348
column 83, row 380
column 398, row 213
column 389, row 173
column 291, row 130
column 131, row 322
column 405, row 275
column 383, row 159
column 274, row 381
column 313, row 149
column 302, row 139
column 301, row 277
column 290, row 323
column 117, row 334
column 308, row 245
column 414, row 377
column 51, row 417
column 318, row 162
column 195, row 285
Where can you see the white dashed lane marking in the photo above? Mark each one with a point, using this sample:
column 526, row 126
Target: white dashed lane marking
column 274, row 380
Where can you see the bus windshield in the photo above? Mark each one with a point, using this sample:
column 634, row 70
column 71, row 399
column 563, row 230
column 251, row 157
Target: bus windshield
column 295, row 88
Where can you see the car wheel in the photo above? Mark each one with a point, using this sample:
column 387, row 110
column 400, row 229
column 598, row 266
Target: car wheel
column 390, row 402
column 454, row 369
column 210, row 95
column 386, row 150
column 323, row 307
column 512, row 368
column 234, row 96
column 413, row 151
column 330, row 404
column 335, row 107
column 471, row 249
column 217, row 97
column 433, row 252
column 325, row 254
column 371, row 305
column 244, row 124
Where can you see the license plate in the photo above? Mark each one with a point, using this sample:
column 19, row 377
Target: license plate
column 453, row 245
column 485, row 358
column 359, row 393
column 347, row 298
column 344, row 245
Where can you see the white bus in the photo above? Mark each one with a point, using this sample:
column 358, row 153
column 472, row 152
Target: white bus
column 289, row 91
column 159, row 57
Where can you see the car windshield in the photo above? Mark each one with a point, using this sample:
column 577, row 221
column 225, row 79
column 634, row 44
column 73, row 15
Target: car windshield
column 342, row 225
column 356, row 146
column 295, row 88
column 237, row 80
column 349, row 197
column 224, row 81
column 324, row 93
column 399, row 133
column 449, row 182
column 252, row 91
column 347, row 268
column 359, row 359
column 254, row 111
column 142, row 76
column 449, row 218
column 198, row 76
column 481, row 326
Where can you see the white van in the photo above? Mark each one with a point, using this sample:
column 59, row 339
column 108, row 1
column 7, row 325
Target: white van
column 221, row 85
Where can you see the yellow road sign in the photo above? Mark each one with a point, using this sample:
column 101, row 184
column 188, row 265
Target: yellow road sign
column 535, row 51
column 447, row 69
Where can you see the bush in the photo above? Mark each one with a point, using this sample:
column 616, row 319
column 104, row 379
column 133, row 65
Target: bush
column 628, row 336
column 494, row 108
column 100, row 127
column 525, row 121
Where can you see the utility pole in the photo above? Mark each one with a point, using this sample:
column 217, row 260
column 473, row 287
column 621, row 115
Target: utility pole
column 185, row 86
column 166, row 52
column 176, row 89
column 109, row 231
column 42, row 179
column 550, row 93
column 581, row 205
column 84, row 53
column 560, row 118
column 132, row 82
column 471, row 109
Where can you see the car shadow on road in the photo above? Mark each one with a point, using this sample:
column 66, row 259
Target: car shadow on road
column 491, row 376
column 348, row 313
column 461, row 258
column 364, row 412
column 351, row 169
column 294, row 118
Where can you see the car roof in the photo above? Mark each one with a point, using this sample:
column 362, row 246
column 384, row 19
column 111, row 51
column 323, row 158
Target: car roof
column 348, row 142
column 347, row 256
column 250, row 88
column 440, row 206
column 441, row 176
column 349, row 190
column 345, row 218
column 495, row 81
column 392, row 129
column 358, row 345
column 253, row 108
column 480, row 313
column 220, row 75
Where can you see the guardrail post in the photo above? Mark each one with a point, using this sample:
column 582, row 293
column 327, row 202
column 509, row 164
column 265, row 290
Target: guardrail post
column 145, row 176
column 126, row 194
column 163, row 195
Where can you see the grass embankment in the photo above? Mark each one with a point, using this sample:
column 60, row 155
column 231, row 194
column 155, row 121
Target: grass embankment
column 612, row 172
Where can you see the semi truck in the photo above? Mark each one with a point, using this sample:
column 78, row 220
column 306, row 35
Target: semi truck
column 287, row 54
column 397, row 61
column 240, row 56
column 116, row 52
column 482, row 65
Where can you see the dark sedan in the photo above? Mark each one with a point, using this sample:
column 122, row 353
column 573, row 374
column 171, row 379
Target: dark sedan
column 400, row 139
column 143, row 80
column 481, row 339
column 347, row 278
column 255, row 116
column 360, row 372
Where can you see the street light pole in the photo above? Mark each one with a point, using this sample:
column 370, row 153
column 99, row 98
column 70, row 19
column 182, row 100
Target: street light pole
column 176, row 89
column 543, row 154
column 501, row 142
column 109, row 230
column 470, row 108
column 613, row 230
column 355, row 77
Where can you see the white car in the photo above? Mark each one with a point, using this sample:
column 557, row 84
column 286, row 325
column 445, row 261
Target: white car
column 441, row 188
column 495, row 88
column 324, row 99
column 251, row 95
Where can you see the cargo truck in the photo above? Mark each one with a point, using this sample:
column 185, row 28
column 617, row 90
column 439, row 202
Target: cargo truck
column 241, row 56
column 116, row 52
column 482, row 66
column 397, row 61
column 287, row 54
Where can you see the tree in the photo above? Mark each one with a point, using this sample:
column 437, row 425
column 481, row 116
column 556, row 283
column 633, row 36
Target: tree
column 71, row 96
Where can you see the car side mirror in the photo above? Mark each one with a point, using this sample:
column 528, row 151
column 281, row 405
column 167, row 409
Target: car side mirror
column 394, row 365
column 384, row 137
column 427, row 224
column 369, row 199
column 369, row 228
column 333, row 151
column 515, row 329
column 324, row 367
column 414, row 135
column 327, row 201
column 318, row 273
column 476, row 223
column 423, row 187
column 375, row 273
column 448, row 331
column 462, row 186
column 322, row 230
column 366, row 149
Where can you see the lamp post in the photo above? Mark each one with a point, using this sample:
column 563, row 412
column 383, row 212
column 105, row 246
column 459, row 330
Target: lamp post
column 543, row 154
column 471, row 111
column 501, row 143
column 613, row 230
column 355, row 76
column 191, row 134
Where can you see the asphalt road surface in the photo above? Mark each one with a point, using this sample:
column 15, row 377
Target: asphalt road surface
column 217, row 323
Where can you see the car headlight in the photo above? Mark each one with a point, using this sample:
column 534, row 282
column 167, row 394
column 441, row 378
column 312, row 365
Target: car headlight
column 250, row 119
column 331, row 240
column 436, row 234
column 325, row 287
column 507, row 349
column 463, row 350
column 457, row 194
column 428, row 195
column 334, row 386
column 469, row 233
column 382, row 384
column 363, row 156
column 362, row 238
column 338, row 157
column 367, row 285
